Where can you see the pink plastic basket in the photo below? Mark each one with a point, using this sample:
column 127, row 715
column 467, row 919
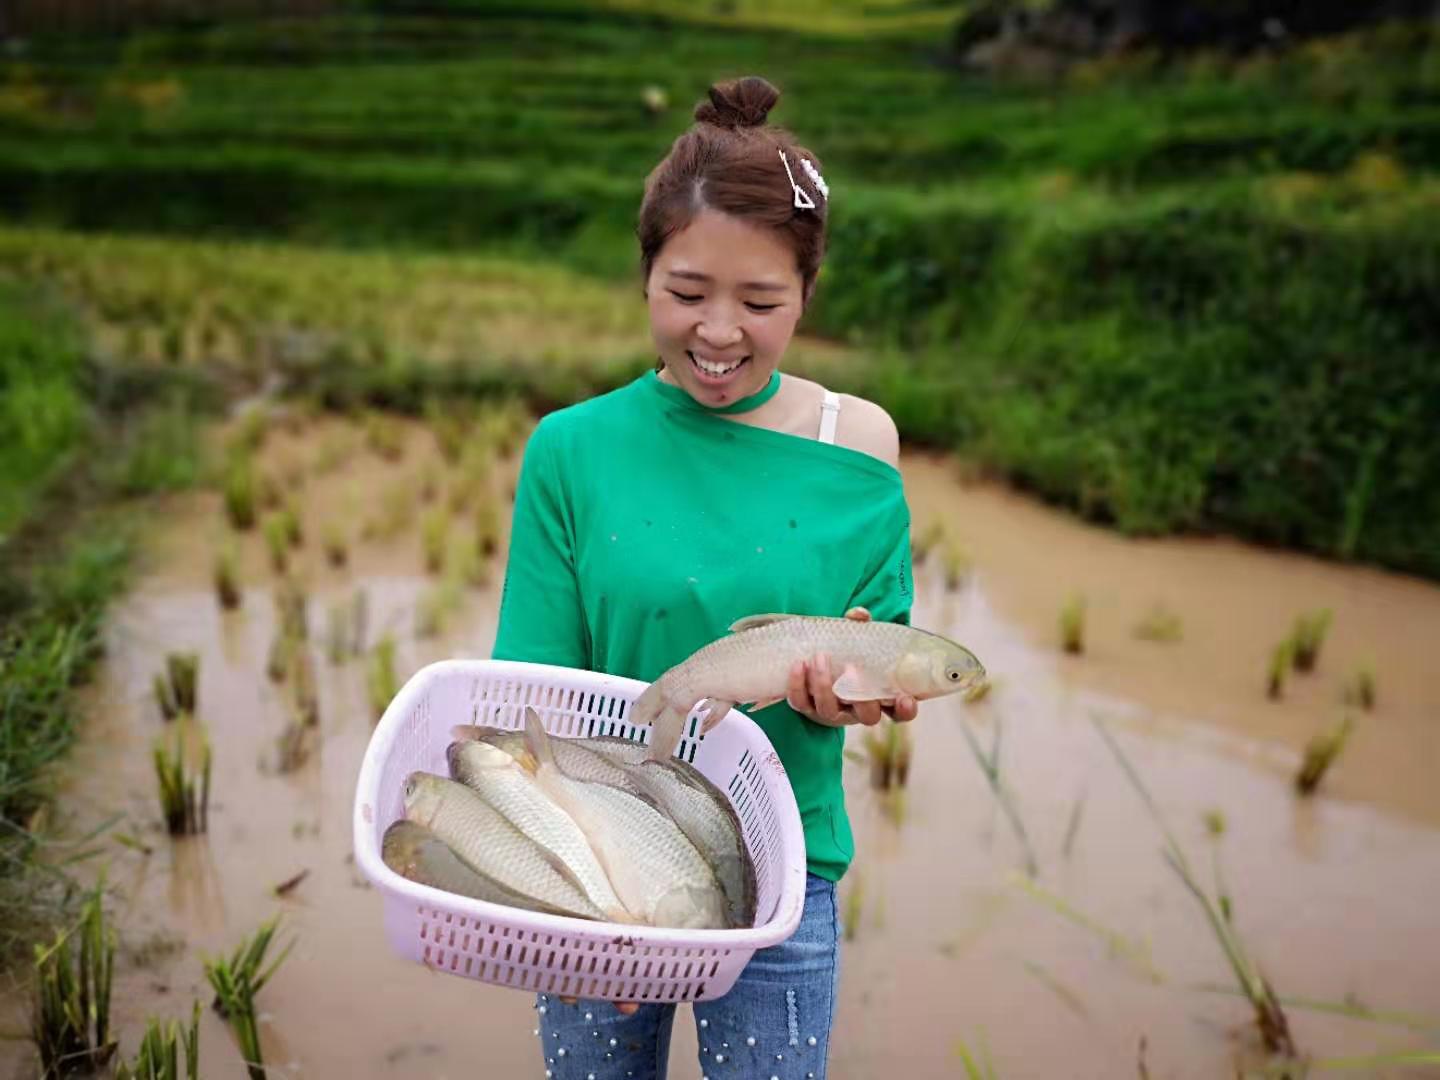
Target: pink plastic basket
column 551, row 953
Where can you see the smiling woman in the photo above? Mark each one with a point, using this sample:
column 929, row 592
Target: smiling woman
column 650, row 519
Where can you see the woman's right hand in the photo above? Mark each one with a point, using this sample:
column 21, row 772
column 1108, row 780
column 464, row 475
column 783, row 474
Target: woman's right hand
column 811, row 693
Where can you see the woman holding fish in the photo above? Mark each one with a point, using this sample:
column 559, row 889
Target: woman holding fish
column 649, row 520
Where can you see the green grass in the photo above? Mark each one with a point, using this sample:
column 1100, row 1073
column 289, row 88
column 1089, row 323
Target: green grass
column 182, row 760
column 1320, row 754
column 175, row 689
column 1072, row 625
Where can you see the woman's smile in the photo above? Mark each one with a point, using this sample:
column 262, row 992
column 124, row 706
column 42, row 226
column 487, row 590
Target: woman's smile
column 716, row 372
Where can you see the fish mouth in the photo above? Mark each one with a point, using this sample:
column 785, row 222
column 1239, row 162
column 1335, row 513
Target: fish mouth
column 716, row 373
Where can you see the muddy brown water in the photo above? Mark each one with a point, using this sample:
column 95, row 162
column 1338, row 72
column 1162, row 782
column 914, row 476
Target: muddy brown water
column 1338, row 896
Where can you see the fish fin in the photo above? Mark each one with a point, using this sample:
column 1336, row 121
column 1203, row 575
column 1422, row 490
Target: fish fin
column 751, row 622
column 537, row 742
column 764, row 703
column 852, row 686
column 718, row 709
column 475, row 732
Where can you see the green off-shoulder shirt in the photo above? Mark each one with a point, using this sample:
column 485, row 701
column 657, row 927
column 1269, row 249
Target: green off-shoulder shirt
column 645, row 525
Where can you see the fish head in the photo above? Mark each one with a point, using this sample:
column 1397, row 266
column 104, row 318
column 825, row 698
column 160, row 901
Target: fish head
column 401, row 846
column 422, row 797
column 468, row 755
column 934, row 666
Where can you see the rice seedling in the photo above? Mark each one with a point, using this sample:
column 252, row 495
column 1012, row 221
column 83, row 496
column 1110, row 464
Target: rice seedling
column 889, row 751
column 956, row 563
column 385, row 436
column 294, row 524
column 277, row 661
column 854, row 906
column 175, row 689
column 159, row 1055
column 293, row 746
column 434, row 538
column 396, row 509
column 1320, row 754
column 240, row 492
column 268, row 492
column 1270, row 1018
column 227, row 575
column 990, row 766
column 1072, row 624
column 1360, row 688
column 977, row 1067
column 303, row 693
column 450, row 427
column 359, row 620
column 487, row 528
column 381, row 683
column 70, row 1016
column 277, row 542
column 430, row 477
column 1280, row 660
column 436, row 607
column 334, row 448
column 924, row 542
column 332, row 539
column 249, row 434
column 1160, row 625
column 1072, row 827
column 291, row 602
column 1072, row 1000
column 236, row 980
column 1122, row 948
column 1309, row 635
column 184, row 796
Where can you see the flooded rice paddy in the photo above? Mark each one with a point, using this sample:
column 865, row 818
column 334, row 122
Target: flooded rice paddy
column 1102, row 966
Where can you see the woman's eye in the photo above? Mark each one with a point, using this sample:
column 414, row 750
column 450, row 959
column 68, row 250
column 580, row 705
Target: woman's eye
column 683, row 298
column 760, row 309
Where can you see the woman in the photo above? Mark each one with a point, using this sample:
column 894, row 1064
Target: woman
column 649, row 519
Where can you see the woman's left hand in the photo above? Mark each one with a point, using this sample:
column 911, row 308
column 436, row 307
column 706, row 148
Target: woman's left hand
column 811, row 693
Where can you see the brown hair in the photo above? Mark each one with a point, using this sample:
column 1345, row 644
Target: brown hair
column 729, row 161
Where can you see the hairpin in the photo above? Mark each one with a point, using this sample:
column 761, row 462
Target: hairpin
column 802, row 200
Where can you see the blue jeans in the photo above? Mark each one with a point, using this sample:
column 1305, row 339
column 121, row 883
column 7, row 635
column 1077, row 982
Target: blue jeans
column 774, row 1022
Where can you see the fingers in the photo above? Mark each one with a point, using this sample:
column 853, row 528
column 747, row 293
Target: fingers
column 627, row 1008
column 797, row 691
column 867, row 712
column 859, row 614
column 822, row 690
column 906, row 709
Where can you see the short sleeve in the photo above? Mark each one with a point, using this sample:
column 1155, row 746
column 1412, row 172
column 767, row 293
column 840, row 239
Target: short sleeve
column 887, row 591
column 541, row 618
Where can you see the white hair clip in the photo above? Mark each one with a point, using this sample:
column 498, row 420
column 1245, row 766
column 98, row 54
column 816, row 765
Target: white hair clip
column 802, row 200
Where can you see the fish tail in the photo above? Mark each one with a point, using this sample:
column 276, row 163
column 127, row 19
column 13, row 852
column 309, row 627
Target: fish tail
column 654, row 708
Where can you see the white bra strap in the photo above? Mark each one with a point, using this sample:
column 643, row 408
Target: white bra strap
column 829, row 414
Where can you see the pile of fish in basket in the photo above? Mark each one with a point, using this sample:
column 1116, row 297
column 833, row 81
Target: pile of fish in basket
column 613, row 830
column 583, row 827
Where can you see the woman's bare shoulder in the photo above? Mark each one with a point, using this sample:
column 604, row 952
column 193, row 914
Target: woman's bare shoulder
column 867, row 427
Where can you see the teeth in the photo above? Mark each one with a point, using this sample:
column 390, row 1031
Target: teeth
column 711, row 368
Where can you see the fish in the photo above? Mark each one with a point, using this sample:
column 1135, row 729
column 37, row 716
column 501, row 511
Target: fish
column 658, row 873
column 576, row 757
column 675, row 787
column 414, row 852
column 507, row 785
column 878, row 661
column 706, row 817
column 486, row 841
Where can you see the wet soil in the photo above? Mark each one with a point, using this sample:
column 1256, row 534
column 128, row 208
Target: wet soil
column 1335, row 895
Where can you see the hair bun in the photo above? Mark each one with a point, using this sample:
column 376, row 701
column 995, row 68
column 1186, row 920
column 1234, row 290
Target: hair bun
column 742, row 103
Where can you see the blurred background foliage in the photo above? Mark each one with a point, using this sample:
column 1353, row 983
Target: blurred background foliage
column 1176, row 266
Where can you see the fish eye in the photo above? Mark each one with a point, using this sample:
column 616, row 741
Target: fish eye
column 953, row 674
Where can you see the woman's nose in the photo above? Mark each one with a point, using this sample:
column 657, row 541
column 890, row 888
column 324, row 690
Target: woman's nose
column 718, row 335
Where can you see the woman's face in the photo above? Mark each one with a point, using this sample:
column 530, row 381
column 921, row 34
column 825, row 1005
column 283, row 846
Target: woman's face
column 724, row 299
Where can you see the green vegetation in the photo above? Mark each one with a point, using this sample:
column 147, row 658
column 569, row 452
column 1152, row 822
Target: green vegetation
column 70, row 1022
column 175, row 689
column 381, row 682
column 236, row 980
column 1320, row 754
column 159, row 1055
column 1131, row 290
column 1161, row 625
column 1072, row 625
column 182, row 774
column 1360, row 688
column 227, row 575
column 1309, row 635
column 1281, row 660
